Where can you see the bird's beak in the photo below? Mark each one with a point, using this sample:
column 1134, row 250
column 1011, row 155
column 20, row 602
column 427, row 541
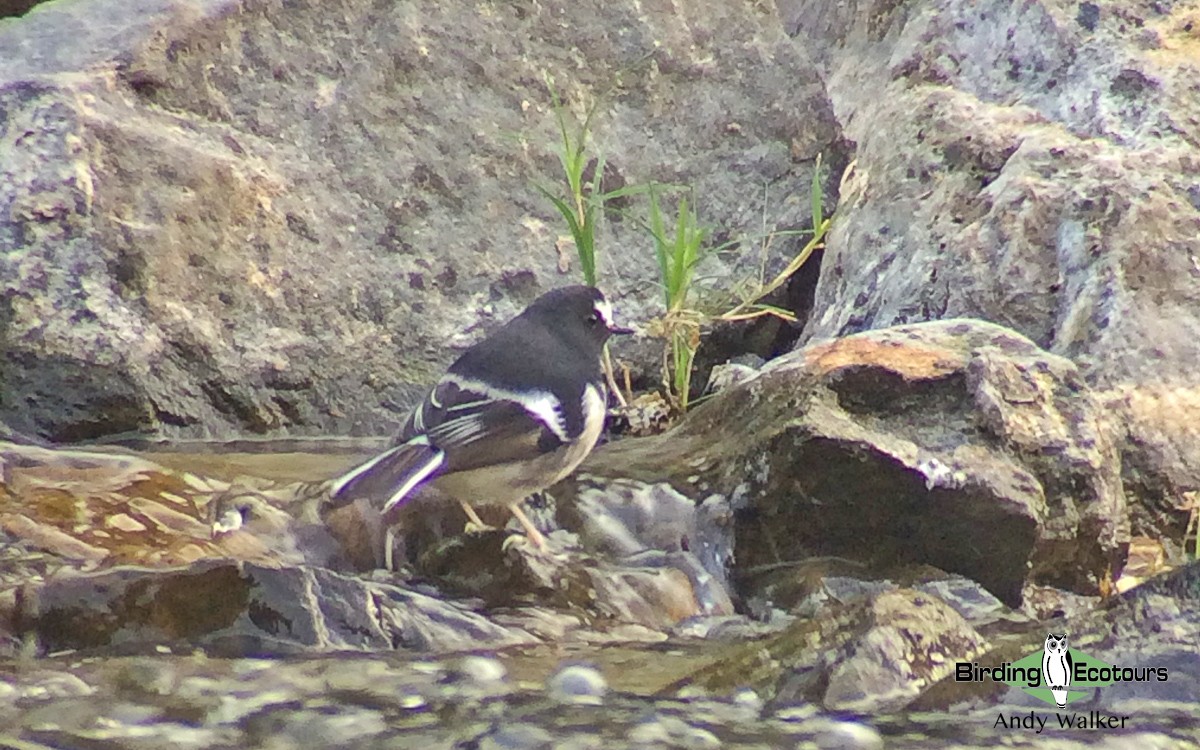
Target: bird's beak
column 619, row 330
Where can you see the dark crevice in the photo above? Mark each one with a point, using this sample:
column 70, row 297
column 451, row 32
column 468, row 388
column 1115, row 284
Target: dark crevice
column 17, row 8
column 764, row 337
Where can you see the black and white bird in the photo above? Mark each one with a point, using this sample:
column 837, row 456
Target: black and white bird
column 514, row 414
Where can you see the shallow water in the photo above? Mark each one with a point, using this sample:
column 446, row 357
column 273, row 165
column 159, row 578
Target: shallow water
column 428, row 700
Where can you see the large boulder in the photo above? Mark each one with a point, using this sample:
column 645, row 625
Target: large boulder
column 957, row 444
column 223, row 217
column 1033, row 165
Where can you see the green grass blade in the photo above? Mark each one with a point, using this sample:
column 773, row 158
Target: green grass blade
column 815, row 195
column 658, row 234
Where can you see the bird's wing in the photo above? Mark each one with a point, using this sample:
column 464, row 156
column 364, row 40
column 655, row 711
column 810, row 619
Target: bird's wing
column 461, row 425
column 477, row 425
column 389, row 477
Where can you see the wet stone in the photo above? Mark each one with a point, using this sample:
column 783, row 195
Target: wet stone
column 848, row 735
column 577, row 683
column 147, row 676
column 476, row 676
column 672, row 731
column 332, row 727
column 517, row 737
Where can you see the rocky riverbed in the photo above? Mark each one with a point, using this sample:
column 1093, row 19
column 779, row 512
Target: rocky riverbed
column 695, row 593
column 231, row 229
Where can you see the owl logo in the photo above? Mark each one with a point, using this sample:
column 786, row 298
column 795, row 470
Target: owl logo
column 1056, row 667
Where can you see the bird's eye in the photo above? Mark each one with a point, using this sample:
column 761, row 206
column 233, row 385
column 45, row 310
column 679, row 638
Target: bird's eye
column 593, row 319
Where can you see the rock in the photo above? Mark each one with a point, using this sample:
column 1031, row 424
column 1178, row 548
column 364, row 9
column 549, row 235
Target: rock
column 357, row 700
column 514, row 736
column 672, row 731
column 220, row 218
column 241, row 608
column 402, row 699
column 956, row 444
column 86, row 509
column 1034, row 166
column 581, row 684
column 913, row 641
column 479, row 675
column 73, row 511
column 868, row 656
column 653, row 589
column 1155, row 624
column 807, row 588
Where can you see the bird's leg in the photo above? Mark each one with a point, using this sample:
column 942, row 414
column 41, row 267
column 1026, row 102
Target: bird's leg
column 389, row 538
column 475, row 524
column 531, row 531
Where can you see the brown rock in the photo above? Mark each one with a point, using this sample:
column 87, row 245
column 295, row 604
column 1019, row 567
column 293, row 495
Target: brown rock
column 655, row 590
column 956, row 444
column 89, row 509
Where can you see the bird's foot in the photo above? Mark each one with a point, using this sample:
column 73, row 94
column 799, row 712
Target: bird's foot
column 475, row 524
column 471, row 528
column 534, row 543
column 514, row 540
column 532, row 533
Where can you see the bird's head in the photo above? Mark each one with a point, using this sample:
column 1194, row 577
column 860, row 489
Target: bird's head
column 580, row 314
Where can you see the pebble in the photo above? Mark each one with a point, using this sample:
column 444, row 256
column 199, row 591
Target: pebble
column 848, row 735
column 480, row 670
column 747, row 698
column 517, row 737
column 672, row 731
column 577, row 683
column 476, row 676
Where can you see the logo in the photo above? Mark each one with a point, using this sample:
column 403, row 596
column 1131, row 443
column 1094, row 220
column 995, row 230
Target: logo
column 1056, row 668
column 1057, row 675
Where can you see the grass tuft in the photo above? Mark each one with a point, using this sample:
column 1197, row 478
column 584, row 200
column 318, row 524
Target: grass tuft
column 680, row 244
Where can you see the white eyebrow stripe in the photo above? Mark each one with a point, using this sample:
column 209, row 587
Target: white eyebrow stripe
column 604, row 310
column 542, row 404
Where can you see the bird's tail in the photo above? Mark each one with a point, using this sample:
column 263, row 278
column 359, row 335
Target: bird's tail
column 389, row 478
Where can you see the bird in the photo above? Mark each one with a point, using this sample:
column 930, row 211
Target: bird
column 1057, row 665
column 514, row 414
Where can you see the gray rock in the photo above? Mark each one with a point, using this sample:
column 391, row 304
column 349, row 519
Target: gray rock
column 517, row 737
column 873, row 655
column 1034, row 166
column 281, row 234
column 358, row 700
column 239, row 608
column 577, row 683
column 673, row 732
column 1153, row 625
